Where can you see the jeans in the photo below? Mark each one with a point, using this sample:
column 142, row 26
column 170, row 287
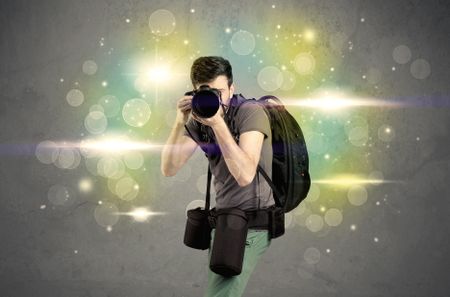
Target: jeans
column 256, row 244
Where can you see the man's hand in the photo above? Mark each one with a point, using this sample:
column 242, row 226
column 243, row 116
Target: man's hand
column 212, row 121
column 183, row 109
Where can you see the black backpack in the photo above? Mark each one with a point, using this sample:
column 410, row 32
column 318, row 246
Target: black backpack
column 290, row 181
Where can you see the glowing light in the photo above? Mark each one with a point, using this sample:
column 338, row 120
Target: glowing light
column 90, row 67
column 186, row 42
column 127, row 20
column 348, row 180
column 162, row 22
column 334, row 101
column 136, row 112
column 75, row 97
column 309, row 35
column 243, row 42
column 141, row 214
column 85, row 185
column 401, row 54
column 104, row 214
column 333, row 217
column 314, row 223
column 104, row 83
column 158, row 73
column 227, row 30
column 420, row 69
column 304, row 63
column 113, row 145
column 312, row 255
column 375, row 239
column 95, row 122
column 353, row 227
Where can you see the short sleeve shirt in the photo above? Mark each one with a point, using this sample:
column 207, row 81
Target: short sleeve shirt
column 258, row 194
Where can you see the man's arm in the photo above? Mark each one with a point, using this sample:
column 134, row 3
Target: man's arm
column 179, row 147
column 241, row 159
column 177, row 150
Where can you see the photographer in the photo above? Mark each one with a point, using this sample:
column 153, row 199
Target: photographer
column 233, row 165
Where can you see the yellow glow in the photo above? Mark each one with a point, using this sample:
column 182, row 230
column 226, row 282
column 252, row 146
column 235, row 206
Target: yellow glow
column 112, row 145
column 349, row 180
column 85, row 185
column 333, row 101
column 141, row 214
column 159, row 73
column 309, row 35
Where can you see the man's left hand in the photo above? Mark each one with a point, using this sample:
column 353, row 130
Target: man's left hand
column 212, row 121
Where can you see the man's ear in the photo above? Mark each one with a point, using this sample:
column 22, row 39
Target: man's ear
column 231, row 90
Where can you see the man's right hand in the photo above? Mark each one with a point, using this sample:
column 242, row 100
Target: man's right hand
column 183, row 109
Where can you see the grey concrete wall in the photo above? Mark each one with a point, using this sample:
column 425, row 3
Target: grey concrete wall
column 61, row 250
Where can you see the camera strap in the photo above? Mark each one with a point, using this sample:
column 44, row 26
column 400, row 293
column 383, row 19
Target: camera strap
column 208, row 188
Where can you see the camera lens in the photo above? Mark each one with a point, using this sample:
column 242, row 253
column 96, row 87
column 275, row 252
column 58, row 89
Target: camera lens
column 206, row 102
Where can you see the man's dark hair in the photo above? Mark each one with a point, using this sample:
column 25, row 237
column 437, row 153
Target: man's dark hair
column 206, row 69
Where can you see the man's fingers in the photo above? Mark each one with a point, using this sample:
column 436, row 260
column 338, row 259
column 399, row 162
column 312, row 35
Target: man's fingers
column 184, row 102
column 185, row 99
column 185, row 108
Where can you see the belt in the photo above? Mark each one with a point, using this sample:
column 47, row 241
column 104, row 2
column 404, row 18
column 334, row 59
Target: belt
column 257, row 219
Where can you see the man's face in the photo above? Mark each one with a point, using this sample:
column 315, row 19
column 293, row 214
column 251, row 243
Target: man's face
column 221, row 83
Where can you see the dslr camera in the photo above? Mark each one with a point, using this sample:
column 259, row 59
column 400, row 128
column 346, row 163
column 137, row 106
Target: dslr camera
column 206, row 101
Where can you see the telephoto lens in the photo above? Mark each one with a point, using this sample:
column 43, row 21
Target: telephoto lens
column 206, row 101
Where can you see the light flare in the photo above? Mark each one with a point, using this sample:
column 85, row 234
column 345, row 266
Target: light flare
column 334, row 102
column 158, row 73
column 141, row 214
column 350, row 180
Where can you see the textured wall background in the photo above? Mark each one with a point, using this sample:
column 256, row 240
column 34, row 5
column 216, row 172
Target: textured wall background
column 62, row 251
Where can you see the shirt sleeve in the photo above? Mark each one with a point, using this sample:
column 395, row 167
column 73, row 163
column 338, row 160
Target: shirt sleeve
column 193, row 129
column 252, row 117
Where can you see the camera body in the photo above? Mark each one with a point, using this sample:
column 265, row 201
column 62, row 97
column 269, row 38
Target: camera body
column 206, row 101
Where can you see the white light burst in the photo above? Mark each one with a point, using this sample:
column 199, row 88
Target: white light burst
column 141, row 214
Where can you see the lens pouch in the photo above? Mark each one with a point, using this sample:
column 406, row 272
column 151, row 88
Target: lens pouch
column 197, row 234
column 228, row 247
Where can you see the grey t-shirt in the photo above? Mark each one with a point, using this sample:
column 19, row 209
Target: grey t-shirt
column 250, row 117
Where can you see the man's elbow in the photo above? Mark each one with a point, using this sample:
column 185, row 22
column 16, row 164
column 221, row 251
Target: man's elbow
column 245, row 180
column 167, row 172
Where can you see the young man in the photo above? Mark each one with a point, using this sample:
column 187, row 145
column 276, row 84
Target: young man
column 234, row 166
